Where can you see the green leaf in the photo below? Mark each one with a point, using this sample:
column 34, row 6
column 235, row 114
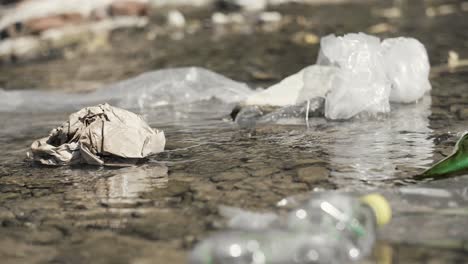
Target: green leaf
column 456, row 162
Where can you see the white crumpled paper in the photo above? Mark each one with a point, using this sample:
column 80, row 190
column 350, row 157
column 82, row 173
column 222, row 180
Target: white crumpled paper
column 98, row 135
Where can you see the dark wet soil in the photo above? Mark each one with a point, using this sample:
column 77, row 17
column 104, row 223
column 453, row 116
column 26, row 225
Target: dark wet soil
column 156, row 212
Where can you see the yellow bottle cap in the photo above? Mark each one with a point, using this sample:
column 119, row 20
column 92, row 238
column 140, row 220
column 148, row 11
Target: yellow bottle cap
column 380, row 206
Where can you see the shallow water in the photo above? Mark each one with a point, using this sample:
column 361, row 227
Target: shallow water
column 155, row 212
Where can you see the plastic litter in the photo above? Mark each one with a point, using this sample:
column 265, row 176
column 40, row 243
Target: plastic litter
column 251, row 116
column 311, row 82
column 407, row 67
column 328, row 228
column 169, row 87
column 360, row 86
column 358, row 75
column 242, row 219
column 99, row 135
column 272, row 247
column 456, row 162
column 173, row 86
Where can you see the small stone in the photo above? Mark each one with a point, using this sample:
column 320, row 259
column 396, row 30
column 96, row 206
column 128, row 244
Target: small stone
column 270, row 17
column 305, row 38
column 176, row 19
column 174, row 188
column 312, row 174
column 263, row 172
column 262, row 76
column 308, row 162
column 219, row 18
column 463, row 113
column 454, row 108
column 236, row 175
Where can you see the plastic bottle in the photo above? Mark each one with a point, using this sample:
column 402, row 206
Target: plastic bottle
column 274, row 246
column 330, row 228
column 353, row 220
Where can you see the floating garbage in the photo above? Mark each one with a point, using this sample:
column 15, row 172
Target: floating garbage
column 357, row 75
column 456, row 162
column 329, row 228
column 99, row 135
column 407, row 67
column 150, row 90
column 311, row 82
column 360, row 85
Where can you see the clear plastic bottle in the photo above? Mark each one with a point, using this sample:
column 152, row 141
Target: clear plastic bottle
column 353, row 220
column 274, row 246
column 330, row 228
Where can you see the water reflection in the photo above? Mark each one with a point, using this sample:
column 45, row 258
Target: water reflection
column 376, row 150
column 126, row 185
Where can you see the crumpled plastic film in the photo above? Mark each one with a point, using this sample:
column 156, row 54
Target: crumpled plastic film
column 98, row 135
column 407, row 66
column 360, row 85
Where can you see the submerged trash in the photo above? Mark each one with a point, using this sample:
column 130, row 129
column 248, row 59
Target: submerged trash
column 456, row 162
column 357, row 75
column 250, row 116
column 329, row 228
column 99, row 135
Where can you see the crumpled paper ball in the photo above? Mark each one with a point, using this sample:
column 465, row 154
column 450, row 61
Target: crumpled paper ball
column 99, row 135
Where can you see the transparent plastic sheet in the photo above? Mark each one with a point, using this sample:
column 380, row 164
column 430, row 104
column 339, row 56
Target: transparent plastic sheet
column 170, row 87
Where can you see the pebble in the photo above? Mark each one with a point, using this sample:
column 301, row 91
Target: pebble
column 235, row 175
column 463, row 113
column 312, row 174
column 176, row 19
column 270, row 17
